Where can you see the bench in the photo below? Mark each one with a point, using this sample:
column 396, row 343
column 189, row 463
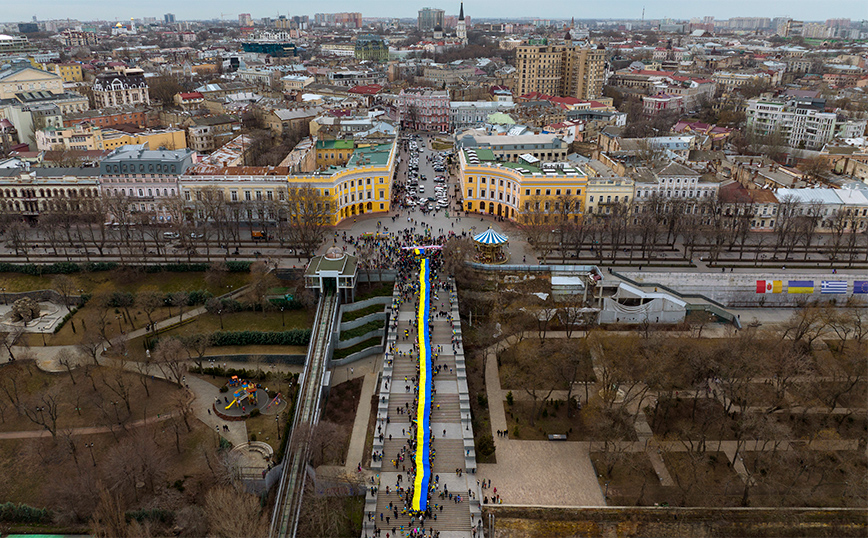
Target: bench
column 557, row 437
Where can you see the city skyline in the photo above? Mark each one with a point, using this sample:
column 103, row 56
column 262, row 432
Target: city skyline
column 629, row 9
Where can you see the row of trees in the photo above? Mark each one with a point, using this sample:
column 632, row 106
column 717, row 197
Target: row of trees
column 120, row 225
column 704, row 225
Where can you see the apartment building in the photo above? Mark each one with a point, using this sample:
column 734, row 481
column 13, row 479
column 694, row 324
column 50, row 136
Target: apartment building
column 148, row 178
column 29, row 193
column 121, row 87
column 422, row 109
column 363, row 184
column 84, row 137
column 801, row 122
column 562, row 69
column 430, row 18
column 603, row 193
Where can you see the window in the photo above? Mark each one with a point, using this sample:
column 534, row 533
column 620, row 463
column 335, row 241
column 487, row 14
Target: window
column 558, row 192
column 469, row 193
column 233, row 195
column 247, row 196
column 548, row 192
column 537, row 192
column 591, row 199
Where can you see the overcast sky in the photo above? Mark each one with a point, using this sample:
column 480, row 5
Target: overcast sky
column 654, row 9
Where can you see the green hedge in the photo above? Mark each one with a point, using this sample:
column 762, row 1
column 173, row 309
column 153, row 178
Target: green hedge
column 363, row 329
column 154, row 514
column 362, row 312
column 59, row 268
column 346, row 352
column 243, row 373
column 21, row 513
column 293, row 337
column 68, row 268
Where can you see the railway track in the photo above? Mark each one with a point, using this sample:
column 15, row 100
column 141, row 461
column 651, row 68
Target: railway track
column 284, row 520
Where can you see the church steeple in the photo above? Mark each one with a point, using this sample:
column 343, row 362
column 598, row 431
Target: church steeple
column 461, row 27
column 461, row 12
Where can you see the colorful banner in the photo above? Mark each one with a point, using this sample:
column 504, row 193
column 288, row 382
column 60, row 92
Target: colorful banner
column 833, row 286
column 423, row 410
column 860, row 286
column 800, row 286
column 769, row 286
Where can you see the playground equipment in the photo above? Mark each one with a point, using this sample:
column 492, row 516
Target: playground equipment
column 246, row 391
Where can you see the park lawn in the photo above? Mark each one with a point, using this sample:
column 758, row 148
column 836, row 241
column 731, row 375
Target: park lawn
column 531, row 347
column 582, row 426
column 809, row 394
column 781, row 481
column 632, row 480
column 271, row 321
column 130, row 281
column 47, row 474
column 693, row 414
column 264, row 428
column 341, row 409
column 708, row 480
column 95, row 406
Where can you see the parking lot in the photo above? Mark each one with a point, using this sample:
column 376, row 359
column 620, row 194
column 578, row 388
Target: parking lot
column 423, row 181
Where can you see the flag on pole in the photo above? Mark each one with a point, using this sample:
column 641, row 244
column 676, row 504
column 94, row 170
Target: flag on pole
column 833, row 286
column 860, row 286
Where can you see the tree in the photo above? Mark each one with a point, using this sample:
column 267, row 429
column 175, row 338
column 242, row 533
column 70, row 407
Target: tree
column 308, row 213
column 197, row 345
column 149, row 301
column 44, row 411
column 261, row 281
column 170, row 357
column 65, row 287
column 90, row 344
column 163, row 89
column 67, row 358
column 180, row 299
column 522, row 368
column 247, row 517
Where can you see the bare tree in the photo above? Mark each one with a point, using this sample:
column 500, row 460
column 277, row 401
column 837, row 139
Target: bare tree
column 149, row 301
column 308, row 213
column 68, row 359
column 170, row 358
column 65, row 287
column 247, row 516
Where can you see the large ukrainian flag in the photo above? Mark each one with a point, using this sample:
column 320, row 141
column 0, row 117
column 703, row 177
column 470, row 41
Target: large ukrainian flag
column 423, row 410
column 800, row 286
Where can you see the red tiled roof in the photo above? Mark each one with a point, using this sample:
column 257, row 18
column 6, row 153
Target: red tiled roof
column 192, row 95
column 370, row 89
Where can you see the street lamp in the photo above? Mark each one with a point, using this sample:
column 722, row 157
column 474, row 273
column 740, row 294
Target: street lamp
column 117, row 416
column 282, row 319
column 277, row 420
column 90, row 447
column 220, row 315
column 42, row 332
column 4, row 295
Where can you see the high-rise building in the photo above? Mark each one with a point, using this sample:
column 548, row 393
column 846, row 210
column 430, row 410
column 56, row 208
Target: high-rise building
column 563, row 69
column 169, row 18
column 430, row 18
column 245, row 20
column 460, row 28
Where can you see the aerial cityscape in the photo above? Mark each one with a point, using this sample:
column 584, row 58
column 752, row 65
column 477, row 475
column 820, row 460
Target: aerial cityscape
column 467, row 270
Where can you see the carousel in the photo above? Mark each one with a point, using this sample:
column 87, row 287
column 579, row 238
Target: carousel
column 489, row 247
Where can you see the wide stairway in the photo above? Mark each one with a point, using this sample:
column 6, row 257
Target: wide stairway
column 454, row 464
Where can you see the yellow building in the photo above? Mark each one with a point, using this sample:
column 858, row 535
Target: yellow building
column 363, row 185
column 528, row 190
column 333, row 152
column 87, row 137
column 603, row 192
column 68, row 72
column 24, row 78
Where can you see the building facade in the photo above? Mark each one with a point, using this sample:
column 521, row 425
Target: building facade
column 147, row 178
column 371, row 47
column 122, row 87
column 562, row 69
column 801, row 123
column 422, row 109
column 429, row 18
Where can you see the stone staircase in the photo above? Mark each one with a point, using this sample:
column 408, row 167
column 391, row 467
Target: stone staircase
column 453, row 451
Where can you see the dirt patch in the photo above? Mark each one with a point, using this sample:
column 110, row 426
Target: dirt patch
column 627, row 478
column 696, row 417
column 702, row 479
column 585, row 424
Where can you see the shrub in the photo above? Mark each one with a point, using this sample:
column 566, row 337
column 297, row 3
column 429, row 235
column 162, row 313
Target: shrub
column 224, row 389
column 482, row 400
column 346, row 352
column 255, row 413
column 362, row 312
column 238, row 267
column 485, row 445
column 154, row 514
column 509, row 398
column 293, row 337
column 21, row 513
column 363, row 329
column 515, row 432
column 65, row 319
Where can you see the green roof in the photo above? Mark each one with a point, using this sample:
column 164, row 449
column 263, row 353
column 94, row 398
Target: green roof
column 334, row 144
column 374, row 156
column 484, row 154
